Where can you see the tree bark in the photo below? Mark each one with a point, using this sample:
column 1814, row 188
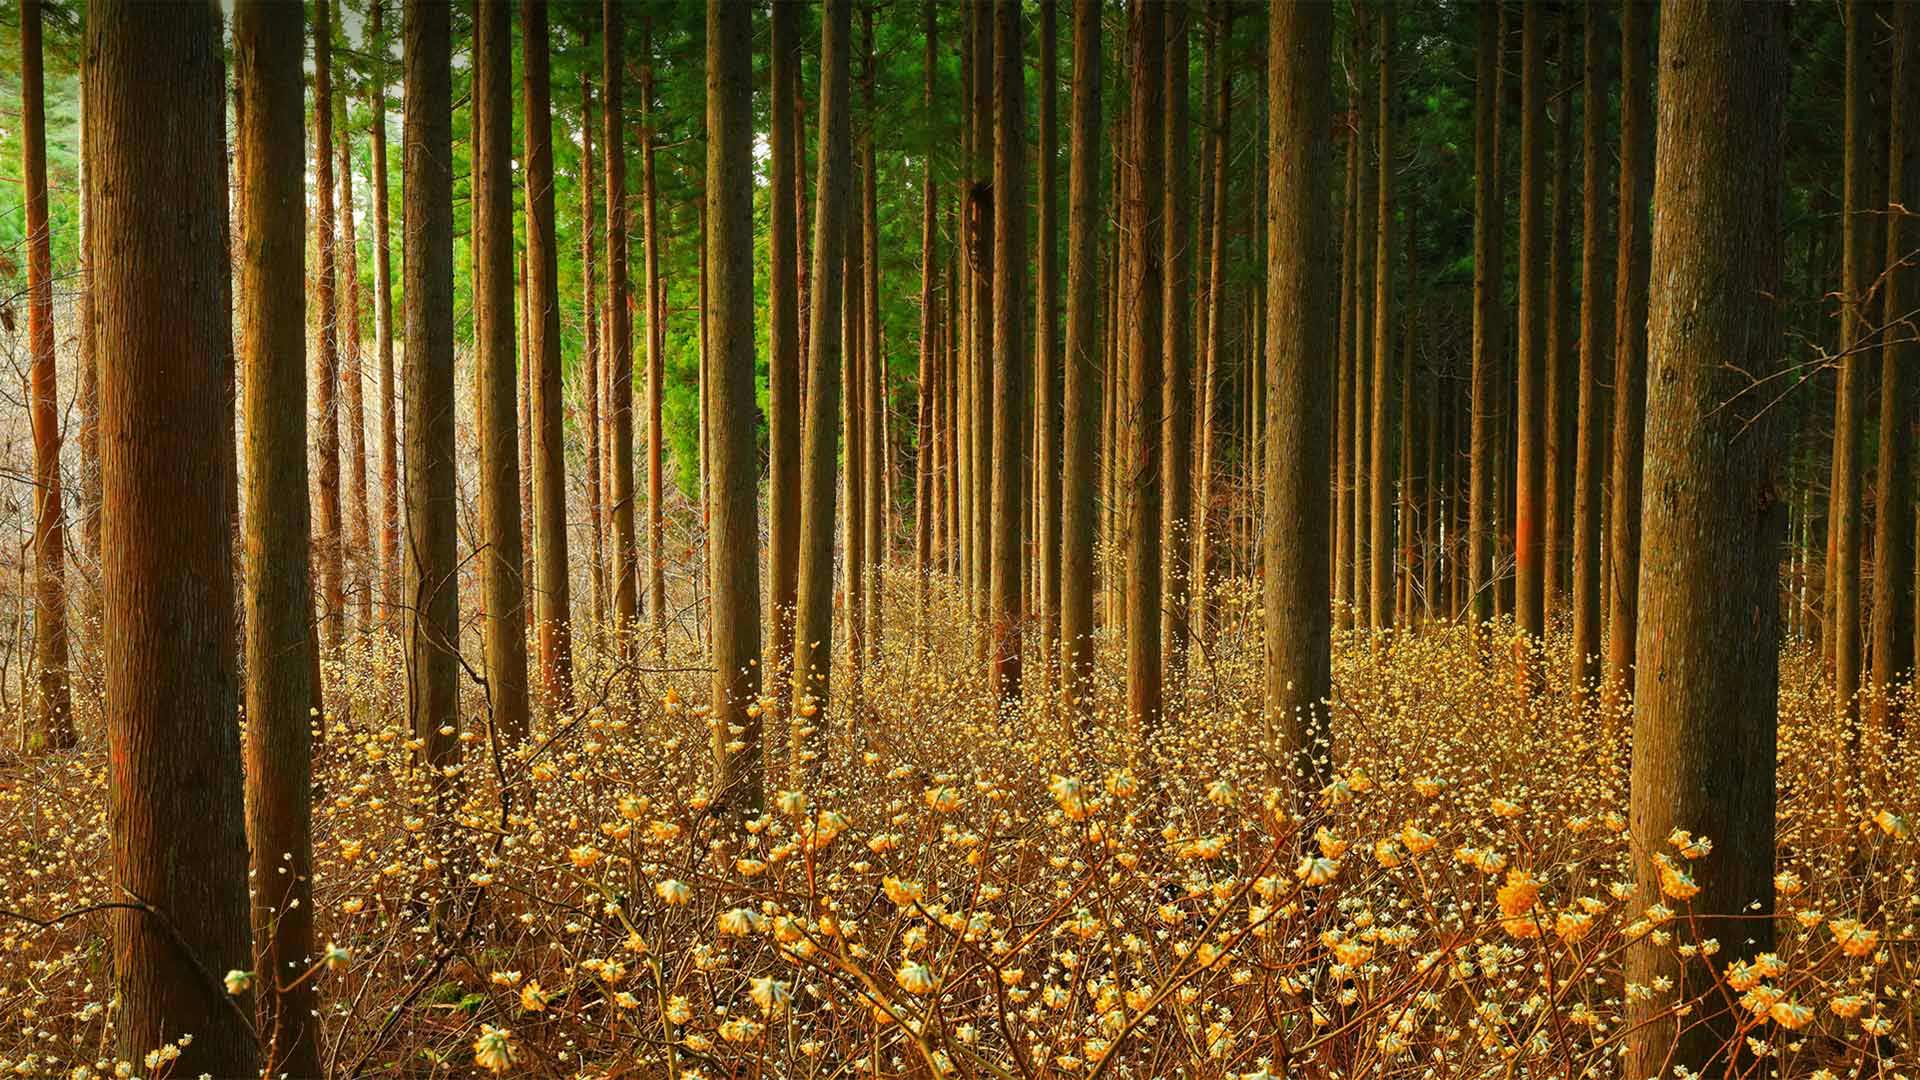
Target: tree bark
column 618, row 341
column 1850, row 402
column 1081, row 390
column 1489, row 315
column 1047, row 379
column 1380, row 428
column 326, row 375
column 656, row 354
column 1530, row 462
column 278, row 634
column 594, row 359
column 928, row 381
column 383, row 344
column 1630, row 340
column 353, row 385
column 1893, row 538
column 1009, row 345
column 1141, row 308
column 157, row 135
column 1593, row 331
column 1705, row 696
column 1176, row 453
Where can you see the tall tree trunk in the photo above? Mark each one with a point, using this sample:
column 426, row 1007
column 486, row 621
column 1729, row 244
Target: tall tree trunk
column 656, row 349
column 1081, row 390
column 524, row 402
column 89, row 370
column 618, row 340
column 1557, row 401
column 853, row 409
column 1379, row 489
column 1893, row 539
column 433, row 634
column 593, row 360
column 54, row 703
column 784, row 355
column 1214, row 318
column 1705, row 695
column 1343, row 595
column 923, row 502
column 1010, row 399
column 1141, row 308
column 1046, row 346
column 552, row 594
column 390, row 571
column 1365, row 222
column 353, row 385
column 1529, row 404
column 1300, row 304
column 171, row 690
column 734, row 539
column 1489, row 315
column 326, row 374
column 873, row 363
column 1593, row 329
column 813, row 615
column 279, row 644
column 1850, row 403
column 1630, row 340
column 502, row 588
column 1176, row 455
column 982, row 202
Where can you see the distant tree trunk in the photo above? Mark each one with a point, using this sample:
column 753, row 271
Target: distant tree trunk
column 433, row 635
column 873, row 364
column 1214, row 311
column 390, row 572
column 495, row 420
column 1850, row 402
column 1593, row 329
column 158, row 139
column 1046, row 360
column 1630, row 339
column 734, row 539
column 813, row 617
column 1365, row 222
column 656, row 358
column 1081, row 391
column 54, row 702
column 353, row 383
column 853, row 408
column 523, row 371
column 1379, row 452
column 1009, row 345
column 1300, row 308
column 1530, row 409
column 982, row 202
column 89, row 375
column 1343, row 593
column 552, row 594
column 326, row 375
column 785, row 353
column 1706, row 686
column 279, row 643
column 1140, row 306
column 618, row 341
column 1176, row 453
column 1893, row 539
column 928, row 381
column 594, row 358
column 1556, row 400
column 1489, row 316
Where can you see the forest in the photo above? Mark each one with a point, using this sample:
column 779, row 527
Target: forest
column 938, row 539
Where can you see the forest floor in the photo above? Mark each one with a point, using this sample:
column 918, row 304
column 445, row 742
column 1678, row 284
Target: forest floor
column 968, row 891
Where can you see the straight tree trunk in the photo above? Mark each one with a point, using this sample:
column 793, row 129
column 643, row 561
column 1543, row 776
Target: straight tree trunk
column 1046, row 349
column 1300, row 302
column 594, row 359
column 1893, row 539
column 524, row 401
column 1850, row 402
column 1489, row 315
column 157, row 136
column 873, row 364
column 1380, row 512
column 433, row 633
column 853, row 410
column 280, row 659
column 1593, row 331
column 784, row 354
column 618, row 341
column 496, row 422
column 1176, row 543
column 982, row 202
column 1630, row 340
column 326, row 375
column 390, row 571
column 54, row 702
column 1009, row 344
column 1706, row 691
column 1365, row 221
column 813, row 614
column 1557, row 400
column 1214, row 312
column 1344, row 605
column 734, row 540
column 1081, row 390
column 1530, row 460
column 1141, row 308
column 552, row 593
column 89, row 371
column 928, row 381
column 353, row 384
column 656, row 350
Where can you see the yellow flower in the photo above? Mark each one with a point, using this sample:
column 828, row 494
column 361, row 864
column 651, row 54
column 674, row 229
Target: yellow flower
column 770, row 994
column 1317, row 871
column 1674, row 882
column 673, row 892
column 902, row 893
column 943, row 799
column 1854, row 938
column 1519, row 895
column 914, row 977
column 1790, row 1015
column 532, row 998
column 583, row 856
column 494, row 1050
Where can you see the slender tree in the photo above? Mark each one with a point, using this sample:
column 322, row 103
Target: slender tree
column 594, row 360
column 1593, row 330
column 928, row 382
column 279, row 645
column 157, row 135
column 1529, row 404
column 1488, row 313
column 1850, row 401
column 1631, row 227
column 1081, row 390
column 1893, row 538
column 783, row 356
column 1046, row 349
column 1009, row 345
column 1176, row 452
column 326, row 373
column 552, row 594
column 1380, row 427
column 53, row 704
column 1298, row 620
column 656, row 353
column 1214, row 309
column 813, row 617
column 1141, row 308
column 383, row 336
column 359, row 524
column 1707, row 679
column 618, row 341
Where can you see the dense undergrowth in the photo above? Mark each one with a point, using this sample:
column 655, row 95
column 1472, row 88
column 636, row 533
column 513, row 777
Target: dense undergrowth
column 970, row 891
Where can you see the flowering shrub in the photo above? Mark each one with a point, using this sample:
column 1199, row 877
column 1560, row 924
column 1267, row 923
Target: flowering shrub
column 967, row 890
